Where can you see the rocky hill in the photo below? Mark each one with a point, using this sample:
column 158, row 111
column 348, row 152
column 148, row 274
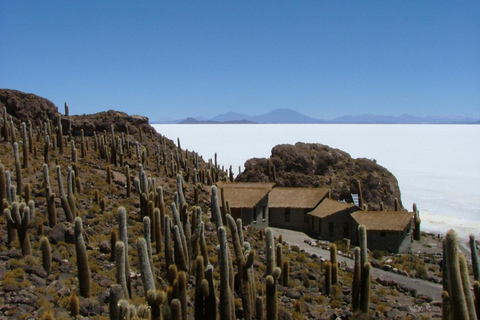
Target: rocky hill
column 317, row 165
column 59, row 255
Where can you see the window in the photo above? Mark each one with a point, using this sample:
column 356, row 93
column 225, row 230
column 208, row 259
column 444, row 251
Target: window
column 305, row 217
column 346, row 230
column 382, row 234
column 264, row 212
column 254, row 214
column 287, row 215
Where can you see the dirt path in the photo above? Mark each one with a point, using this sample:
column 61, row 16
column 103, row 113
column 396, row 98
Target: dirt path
column 422, row 287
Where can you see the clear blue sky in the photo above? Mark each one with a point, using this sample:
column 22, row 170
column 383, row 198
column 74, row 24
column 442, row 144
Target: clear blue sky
column 173, row 59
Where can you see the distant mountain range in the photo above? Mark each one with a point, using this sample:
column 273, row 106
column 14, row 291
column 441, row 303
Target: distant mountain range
column 288, row 116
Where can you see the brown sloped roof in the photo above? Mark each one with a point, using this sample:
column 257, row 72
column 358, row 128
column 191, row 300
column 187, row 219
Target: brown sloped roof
column 328, row 207
column 306, row 198
column 243, row 194
column 383, row 220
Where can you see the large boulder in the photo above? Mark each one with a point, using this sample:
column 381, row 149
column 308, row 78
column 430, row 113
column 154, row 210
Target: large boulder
column 317, row 165
column 27, row 106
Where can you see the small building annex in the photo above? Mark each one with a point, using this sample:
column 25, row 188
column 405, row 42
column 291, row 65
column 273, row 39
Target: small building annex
column 386, row 230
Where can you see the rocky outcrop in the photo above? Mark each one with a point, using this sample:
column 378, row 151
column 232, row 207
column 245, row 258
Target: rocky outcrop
column 317, row 165
column 26, row 106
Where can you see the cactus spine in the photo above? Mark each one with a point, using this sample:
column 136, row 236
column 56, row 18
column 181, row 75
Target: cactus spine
column 82, row 260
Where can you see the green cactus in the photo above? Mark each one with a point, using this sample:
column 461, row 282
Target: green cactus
column 182, row 293
column 226, row 312
column 328, row 277
column 128, row 181
column 113, row 241
column 168, row 242
column 25, row 145
column 176, row 307
column 60, row 134
column 365, row 288
column 271, row 292
column 155, row 300
column 119, row 250
column 475, row 262
column 259, row 308
column 180, row 258
column 19, row 217
column 476, row 292
column 208, row 287
column 84, row 278
column 417, row 221
column 146, row 234
column 216, row 213
column 46, row 250
column 181, row 197
column 362, row 238
column 456, row 293
column 244, row 263
column 3, row 186
column 158, row 230
column 183, row 240
column 467, row 287
column 63, row 197
column 70, row 190
column 356, row 282
column 199, row 290
column 145, row 267
column 115, row 296
column 270, row 251
column 123, row 235
column 18, row 169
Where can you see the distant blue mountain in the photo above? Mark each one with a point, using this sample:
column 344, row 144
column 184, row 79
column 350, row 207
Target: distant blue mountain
column 292, row 116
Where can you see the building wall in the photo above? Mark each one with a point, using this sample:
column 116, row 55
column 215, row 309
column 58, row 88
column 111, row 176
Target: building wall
column 289, row 218
column 335, row 227
column 391, row 241
column 258, row 215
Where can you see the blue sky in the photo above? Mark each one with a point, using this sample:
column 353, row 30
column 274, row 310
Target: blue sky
column 173, row 59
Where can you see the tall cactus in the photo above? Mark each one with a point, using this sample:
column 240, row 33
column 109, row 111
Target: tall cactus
column 270, row 251
column 365, row 288
column 216, row 213
column 46, row 254
column 356, row 283
column 145, row 267
column 63, row 197
column 271, row 292
column 457, row 294
column 244, row 263
column 82, row 260
column 18, row 169
column 120, row 266
column 123, row 235
column 226, row 312
column 475, row 262
column 333, row 260
column 3, row 186
column 199, row 290
column 19, row 219
column 417, row 222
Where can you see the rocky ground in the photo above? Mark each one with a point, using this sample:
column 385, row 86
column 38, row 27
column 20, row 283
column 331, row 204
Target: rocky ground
column 27, row 291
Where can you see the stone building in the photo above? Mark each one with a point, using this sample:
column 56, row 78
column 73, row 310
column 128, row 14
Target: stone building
column 246, row 200
column 289, row 207
column 332, row 220
column 387, row 230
